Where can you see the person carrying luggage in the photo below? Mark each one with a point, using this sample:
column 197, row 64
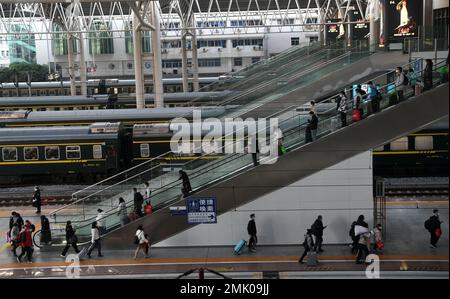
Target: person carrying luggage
column 378, row 239
column 95, row 240
column 342, row 108
column 141, row 241
column 433, row 225
column 138, row 200
column 251, row 230
column 362, row 248
column 37, row 199
column 71, row 239
column 308, row 245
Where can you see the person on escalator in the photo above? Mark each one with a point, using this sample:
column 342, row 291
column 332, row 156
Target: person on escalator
column 186, row 189
column 312, row 124
column 122, row 212
column 253, row 149
column 373, row 96
column 428, row 75
column 400, row 83
column 342, row 108
column 138, row 200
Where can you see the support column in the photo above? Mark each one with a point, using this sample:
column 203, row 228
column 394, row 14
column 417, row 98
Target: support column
column 373, row 26
column 83, row 77
column 138, row 70
column 157, row 63
column 73, row 89
column 184, row 62
column 195, row 57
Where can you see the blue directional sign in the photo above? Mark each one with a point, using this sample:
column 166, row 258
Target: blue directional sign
column 201, row 210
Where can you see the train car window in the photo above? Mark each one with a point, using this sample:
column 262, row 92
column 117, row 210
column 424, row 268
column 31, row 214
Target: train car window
column 51, row 153
column 97, row 151
column 145, row 150
column 9, row 153
column 400, row 144
column 30, row 153
column 73, row 152
column 422, row 143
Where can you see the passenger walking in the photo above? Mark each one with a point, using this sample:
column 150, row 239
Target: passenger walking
column 14, row 238
column 37, row 199
column 15, row 218
column 308, row 245
column 317, row 230
column 400, row 83
column 95, row 240
column 101, row 221
column 122, row 212
column 312, row 123
column 26, row 242
column 342, row 108
column 251, row 230
column 46, row 234
column 186, row 189
column 71, row 239
column 428, row 75
column 433, row 225
column 378, row 239
column 138, row 200
column 141, row 241
column 362, row 248
column 357, row 228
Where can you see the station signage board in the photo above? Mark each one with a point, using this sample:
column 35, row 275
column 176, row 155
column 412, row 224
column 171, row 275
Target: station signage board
column 201, row 210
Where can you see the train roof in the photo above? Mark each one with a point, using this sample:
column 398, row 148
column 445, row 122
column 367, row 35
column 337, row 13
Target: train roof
column 109, row 114
column 27, row 134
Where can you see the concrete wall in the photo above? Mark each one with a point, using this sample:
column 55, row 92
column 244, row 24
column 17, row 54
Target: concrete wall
column 339, row 193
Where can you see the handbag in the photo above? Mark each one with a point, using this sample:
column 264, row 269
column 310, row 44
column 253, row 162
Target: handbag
column 380, row 245
column 73, row 239
column 438, row 232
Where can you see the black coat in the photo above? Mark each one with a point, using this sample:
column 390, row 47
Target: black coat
column 317, row 228
column 37, row 198
column 435, row 223
column 138, row 199
column 251, row 227
column 186, row 183
column 313, row 122
column 19, row 221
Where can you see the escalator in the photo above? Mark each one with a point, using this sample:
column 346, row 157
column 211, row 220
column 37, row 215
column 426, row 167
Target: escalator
column 226, row 177
column 244, row 183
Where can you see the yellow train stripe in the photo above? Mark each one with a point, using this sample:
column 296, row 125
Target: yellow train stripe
column 408, row 152
column 429, row 134
column 51, row 162
column 51, row 144
column 183, row 158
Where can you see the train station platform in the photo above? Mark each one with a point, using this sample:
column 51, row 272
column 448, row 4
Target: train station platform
column 406, row 255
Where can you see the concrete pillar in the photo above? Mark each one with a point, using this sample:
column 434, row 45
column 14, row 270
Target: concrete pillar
column 138, row 70
column 373, row 26
column 195, row 57
column 73, row 88
column 157, row 63
column 83, row 77
column 184, row 62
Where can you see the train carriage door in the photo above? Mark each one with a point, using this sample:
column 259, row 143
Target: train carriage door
column 126, row 149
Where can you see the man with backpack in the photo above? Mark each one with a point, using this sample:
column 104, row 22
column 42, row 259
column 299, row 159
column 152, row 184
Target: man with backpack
column 433, row 225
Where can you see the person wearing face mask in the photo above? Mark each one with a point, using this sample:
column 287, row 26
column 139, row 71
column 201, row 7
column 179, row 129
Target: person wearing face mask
column 433, row 225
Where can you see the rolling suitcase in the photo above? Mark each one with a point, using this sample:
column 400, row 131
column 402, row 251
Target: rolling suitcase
column 356, row 115
column 312, row 258
column 239, row 247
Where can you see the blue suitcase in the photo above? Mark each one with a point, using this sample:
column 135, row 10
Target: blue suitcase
column 239, row 247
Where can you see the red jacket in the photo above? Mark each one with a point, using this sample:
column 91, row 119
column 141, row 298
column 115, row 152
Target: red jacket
column 28, row 238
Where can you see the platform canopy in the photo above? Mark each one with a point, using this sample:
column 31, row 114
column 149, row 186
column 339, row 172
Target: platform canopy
column 65, row 12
